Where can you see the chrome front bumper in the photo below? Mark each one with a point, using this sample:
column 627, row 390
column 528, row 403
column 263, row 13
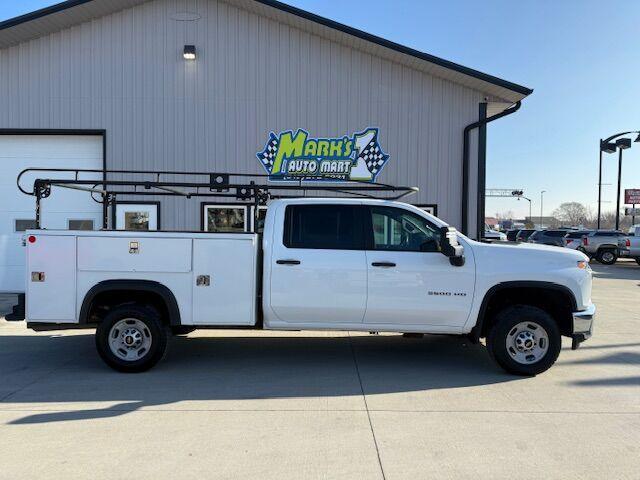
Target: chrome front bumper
column 582, row 325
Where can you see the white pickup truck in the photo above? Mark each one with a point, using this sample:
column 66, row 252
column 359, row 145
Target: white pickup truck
column 321, row 264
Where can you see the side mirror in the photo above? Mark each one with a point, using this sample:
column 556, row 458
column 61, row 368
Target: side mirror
column 450, row 247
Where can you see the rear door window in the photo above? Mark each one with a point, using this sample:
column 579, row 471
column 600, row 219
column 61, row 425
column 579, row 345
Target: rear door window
column 331, row 226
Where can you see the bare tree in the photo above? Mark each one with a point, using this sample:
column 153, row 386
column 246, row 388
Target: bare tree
column 572, row 213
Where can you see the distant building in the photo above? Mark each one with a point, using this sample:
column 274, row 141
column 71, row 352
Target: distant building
column 542, row 222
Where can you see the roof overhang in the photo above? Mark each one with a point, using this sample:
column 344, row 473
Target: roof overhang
column 72, row 12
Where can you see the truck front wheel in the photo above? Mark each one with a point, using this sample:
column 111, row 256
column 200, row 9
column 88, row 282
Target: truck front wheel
column 132, row 338
column 524, row 340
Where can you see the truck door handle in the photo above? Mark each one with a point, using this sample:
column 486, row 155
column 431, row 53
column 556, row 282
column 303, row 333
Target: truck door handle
column 383, row 264
column 288, row 262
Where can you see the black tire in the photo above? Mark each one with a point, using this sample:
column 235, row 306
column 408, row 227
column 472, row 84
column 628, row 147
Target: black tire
column 607, row 256
column 153, row 331
column 505, row 322
column 182, row 330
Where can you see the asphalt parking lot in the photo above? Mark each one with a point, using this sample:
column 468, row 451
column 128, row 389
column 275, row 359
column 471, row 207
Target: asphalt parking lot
column 234, row 404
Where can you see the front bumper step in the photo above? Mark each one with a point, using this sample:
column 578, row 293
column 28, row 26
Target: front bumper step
column 582, row 325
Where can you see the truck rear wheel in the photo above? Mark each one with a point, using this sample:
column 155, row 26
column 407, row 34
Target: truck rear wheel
column 524, row 340
column 132, row 338
column 606, row 257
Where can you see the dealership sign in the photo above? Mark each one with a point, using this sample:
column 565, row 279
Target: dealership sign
column 290, row 157
column 632, row 196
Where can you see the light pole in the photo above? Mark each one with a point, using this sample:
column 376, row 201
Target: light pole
column 607, row 147
column 529, row 200
column 622, row 144
column 541, row 203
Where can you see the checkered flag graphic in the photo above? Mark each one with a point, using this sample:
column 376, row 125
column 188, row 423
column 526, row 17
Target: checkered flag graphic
column 268, row 155
column 373, row 156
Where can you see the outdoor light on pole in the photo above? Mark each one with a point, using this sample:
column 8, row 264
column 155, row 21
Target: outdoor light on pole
column 607, row 146
column 541, row 203
column 622, row 144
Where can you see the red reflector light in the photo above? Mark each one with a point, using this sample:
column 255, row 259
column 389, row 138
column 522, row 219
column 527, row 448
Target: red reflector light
column 32, row 239
column 627, row 242
column 585, row 241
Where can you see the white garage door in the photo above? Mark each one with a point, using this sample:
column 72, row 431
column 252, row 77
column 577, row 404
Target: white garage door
column 63, row 209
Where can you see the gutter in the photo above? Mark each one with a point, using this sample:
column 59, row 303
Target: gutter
column 481, row 168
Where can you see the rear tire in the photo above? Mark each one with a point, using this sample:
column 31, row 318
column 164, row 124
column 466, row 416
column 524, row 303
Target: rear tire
column 607, row 257
column 132, row 338
column 524, row 340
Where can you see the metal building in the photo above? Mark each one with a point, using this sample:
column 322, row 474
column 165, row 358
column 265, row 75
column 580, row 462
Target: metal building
column 203, row 84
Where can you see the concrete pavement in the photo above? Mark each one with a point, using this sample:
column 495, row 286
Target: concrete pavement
column 234, row 404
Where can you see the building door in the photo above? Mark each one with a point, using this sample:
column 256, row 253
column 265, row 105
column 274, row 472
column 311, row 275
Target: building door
column 318, row 271
column 409, row 281
column 62, row 210
column 143, row 216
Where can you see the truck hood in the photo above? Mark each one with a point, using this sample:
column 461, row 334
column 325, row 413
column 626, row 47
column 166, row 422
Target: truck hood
column 529, row 252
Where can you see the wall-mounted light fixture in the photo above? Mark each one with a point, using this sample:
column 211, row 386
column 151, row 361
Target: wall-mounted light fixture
column 189, row 52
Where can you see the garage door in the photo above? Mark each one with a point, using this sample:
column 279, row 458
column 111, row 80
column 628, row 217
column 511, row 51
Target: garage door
column 62, row 210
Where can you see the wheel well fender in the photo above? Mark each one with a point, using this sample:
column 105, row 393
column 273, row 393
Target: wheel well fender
column 155, row 293
column 551, row 297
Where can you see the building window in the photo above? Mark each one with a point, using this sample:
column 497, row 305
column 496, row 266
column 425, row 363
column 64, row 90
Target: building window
column 80, row 224
column 24, row 224
column 334, row 227
column 225, row 218
column 141, row 216
column 431, row 208
column 262, row 215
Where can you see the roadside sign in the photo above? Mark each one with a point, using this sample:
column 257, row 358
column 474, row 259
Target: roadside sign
column 632, row 212
column 632, row 196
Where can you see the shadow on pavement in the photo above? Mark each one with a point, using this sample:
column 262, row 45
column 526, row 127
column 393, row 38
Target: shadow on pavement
column 622, row 270
column 238, row 368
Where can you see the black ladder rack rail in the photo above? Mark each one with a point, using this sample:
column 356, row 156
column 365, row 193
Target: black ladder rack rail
column 256, row 189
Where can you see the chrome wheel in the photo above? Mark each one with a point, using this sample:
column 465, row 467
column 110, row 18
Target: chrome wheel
column 608, row 257
column 527, row 342
column 129, row 339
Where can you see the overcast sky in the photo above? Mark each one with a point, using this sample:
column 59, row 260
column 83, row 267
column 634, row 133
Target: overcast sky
column 579, row 56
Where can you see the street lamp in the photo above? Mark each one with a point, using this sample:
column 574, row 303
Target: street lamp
column 622, row 144
column 607, row 146
column 529, row 200
column 541, row 203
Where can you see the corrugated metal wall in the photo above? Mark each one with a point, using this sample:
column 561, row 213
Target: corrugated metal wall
column 125, row 73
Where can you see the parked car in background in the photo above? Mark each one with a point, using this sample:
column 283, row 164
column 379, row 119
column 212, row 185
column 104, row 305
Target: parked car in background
column 548, row 237
column 629, row 247
column 602, row 245
column 524, row 234
column 494, row 235
column 512, row 234
column 573, row 239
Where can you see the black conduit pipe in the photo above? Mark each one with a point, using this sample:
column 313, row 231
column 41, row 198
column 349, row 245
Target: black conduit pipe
column 465, row 159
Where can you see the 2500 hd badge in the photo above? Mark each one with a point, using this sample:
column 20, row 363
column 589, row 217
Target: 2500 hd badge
column 447, row 294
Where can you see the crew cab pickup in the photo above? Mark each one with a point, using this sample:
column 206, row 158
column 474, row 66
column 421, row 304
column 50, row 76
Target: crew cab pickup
column 320, row 264
column 629, row 247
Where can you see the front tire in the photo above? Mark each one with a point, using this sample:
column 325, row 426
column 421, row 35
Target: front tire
column 132, row 338
column 607, row 257
column 524, row 340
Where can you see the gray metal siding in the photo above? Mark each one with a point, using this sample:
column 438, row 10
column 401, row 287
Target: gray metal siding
column 125, row 73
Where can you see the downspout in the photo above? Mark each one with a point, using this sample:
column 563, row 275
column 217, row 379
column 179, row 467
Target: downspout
column 465, row 160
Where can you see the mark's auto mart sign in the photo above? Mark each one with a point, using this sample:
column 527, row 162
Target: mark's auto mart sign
column 290, row 157
column 632, row 196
